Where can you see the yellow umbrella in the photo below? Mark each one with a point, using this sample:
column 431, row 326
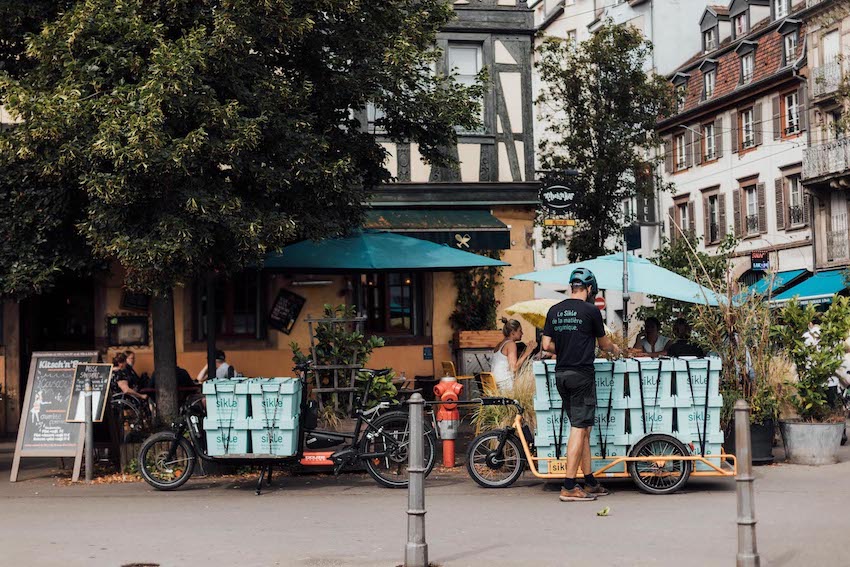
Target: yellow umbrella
column 533, row 311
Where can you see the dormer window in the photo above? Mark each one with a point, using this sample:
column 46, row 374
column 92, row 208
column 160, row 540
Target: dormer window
column 790, row 31
column 709, row 79
column 740, row 25
column 780, row 9
column 681, row 95
column 709, row 41
column 747, row 52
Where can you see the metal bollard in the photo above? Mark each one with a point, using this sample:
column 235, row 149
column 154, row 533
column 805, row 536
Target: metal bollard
column 416, row 551
column 87, row 404
column 747, row 553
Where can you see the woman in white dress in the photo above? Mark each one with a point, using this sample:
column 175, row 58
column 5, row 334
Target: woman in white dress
column 650, row 340
column 505, row 361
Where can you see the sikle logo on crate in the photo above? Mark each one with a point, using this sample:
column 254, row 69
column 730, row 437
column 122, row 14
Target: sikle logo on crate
column 271, row 438
column 272, row 403
column 653, row 417
column 698, row 417
column 605, row 382
column 225, row 403
column 222, row 439
column 605, row 419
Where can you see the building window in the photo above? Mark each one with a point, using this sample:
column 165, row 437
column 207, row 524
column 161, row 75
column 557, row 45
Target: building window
column 560, row 253
column 752, row 220
column 681, row 95
column 791, row 111
column 789, row 50
column 572, row 37
column 708, row 40
column 465, row 61
column 708, row 142
column 680, row 152
column 373, row 115
column 780, row 8
column 747, row 62
column 238, row 307
column 683, row 212
column 391, row 303
column 713, row 213
column 748, row 138
column 741, row 25
column 795, row 201
column 708, row 80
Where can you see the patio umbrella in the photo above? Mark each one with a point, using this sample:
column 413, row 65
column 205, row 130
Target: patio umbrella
column 533, row 311
column 643, row 277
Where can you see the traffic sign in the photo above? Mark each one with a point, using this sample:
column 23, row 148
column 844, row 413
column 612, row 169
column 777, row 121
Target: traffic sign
column 599, row 302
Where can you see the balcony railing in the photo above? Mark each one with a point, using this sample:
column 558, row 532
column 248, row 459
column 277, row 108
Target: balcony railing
column 827, row 158
column 713, row 232
column 837, row 239
column 826, row 79
column 752, row 224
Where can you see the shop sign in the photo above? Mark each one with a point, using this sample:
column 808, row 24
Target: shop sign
column 99, row 375
column 285, row 310
column 558, row 198
column 760, row 261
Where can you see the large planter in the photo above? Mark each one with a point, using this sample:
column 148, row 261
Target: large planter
column 761, row 438
column 478, row 339
column 811, row 443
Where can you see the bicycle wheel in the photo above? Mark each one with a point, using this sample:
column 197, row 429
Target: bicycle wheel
column 130, row 421
column 659, row 476
column 162, row 471
column 393, row 443
column 490, row 467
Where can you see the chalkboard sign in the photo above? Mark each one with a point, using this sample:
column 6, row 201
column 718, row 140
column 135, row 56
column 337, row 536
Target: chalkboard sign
column 100, row 376
column 43, row 431
column 285, row 311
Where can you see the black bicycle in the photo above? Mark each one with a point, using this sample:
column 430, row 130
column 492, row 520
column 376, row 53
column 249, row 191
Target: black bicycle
column 380, row 440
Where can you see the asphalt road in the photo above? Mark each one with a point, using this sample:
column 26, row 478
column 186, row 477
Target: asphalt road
column 326, row 521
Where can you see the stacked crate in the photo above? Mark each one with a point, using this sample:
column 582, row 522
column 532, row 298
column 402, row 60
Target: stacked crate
column 275, row 409
column 608, row 438
column 226, row 424
column 698, row 406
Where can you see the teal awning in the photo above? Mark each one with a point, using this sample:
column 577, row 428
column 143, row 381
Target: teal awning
column 459, row 228
column 820, row 288
column 778, row 282
column 371, row 251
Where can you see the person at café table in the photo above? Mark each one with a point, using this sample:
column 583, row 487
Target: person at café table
column 650, row 340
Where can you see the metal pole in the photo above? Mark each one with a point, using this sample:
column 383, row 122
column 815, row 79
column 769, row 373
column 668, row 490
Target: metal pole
column 211, row 325
column 747, row 553
column 625, row 289
column 416, row 551
column 87, row 404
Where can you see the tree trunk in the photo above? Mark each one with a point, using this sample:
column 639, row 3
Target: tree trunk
column 165, row 356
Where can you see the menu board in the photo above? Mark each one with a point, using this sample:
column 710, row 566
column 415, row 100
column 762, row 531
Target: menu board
column 43, row 431
column 100, row 376
column 285, row 311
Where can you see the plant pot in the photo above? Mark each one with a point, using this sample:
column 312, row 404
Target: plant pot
column 478, row 339
column 761, row 439
column 811, row 443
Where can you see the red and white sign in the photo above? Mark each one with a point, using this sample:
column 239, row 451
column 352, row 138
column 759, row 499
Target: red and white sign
column 599, row 302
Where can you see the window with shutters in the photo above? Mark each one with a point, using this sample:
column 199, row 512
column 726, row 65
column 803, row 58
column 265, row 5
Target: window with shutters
column 683, row 218
column 789, row 48
column 747, row 66
column 713, row 214
column 796, row 216
column 708, row 81
column 680, row 151
column 746, row 127
column 751, row 221
column 709, row 142
column 790, row 114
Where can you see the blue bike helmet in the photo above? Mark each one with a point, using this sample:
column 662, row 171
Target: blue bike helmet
column 584, row 277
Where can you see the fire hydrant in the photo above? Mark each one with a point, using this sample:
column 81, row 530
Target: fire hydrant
column 448, row 416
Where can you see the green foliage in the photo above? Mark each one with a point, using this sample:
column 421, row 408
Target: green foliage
column 601, row 108
column 183, row 136
column 382, row 389
column 475, row 309
column 337, row 344
column 815, row 363
column 682, row 257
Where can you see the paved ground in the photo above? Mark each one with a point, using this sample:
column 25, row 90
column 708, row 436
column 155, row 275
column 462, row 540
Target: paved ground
column 323, row 521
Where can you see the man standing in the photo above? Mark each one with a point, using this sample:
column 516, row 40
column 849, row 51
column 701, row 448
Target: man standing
column 573, row 329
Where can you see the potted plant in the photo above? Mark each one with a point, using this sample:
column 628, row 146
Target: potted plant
column 813, row 438
column 474, row 317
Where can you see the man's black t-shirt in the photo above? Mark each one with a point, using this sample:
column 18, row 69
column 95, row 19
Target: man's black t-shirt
column 574, row 325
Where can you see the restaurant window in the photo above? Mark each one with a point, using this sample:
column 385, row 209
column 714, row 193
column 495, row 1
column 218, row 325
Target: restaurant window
column 391, row 303
column 465, row 61
column 238, row 307
column 748, row 138
column 791, row 112
column 747, row 65
column 681, row 152
column 789, row 47
column 795, row 201
column 709, row 142
column 709, row 79
column 751, row 201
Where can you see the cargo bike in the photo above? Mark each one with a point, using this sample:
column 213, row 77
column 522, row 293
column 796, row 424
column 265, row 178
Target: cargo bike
column 657, row 422
column 282, row 429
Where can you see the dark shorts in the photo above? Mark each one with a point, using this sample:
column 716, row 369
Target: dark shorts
column 578, row 392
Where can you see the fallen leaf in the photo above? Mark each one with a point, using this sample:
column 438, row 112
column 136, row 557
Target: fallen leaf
column 604, row 511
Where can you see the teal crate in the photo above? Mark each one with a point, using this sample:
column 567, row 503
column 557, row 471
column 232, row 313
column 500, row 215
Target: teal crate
column 704, row 375
column 544, row 432
column 645, row 375
column 611, row 423
column 695, row 419
column 540, row 387
column 541, row 404
column 658, row 420
column 279, row 441
column 549, row 451
column 223, row 441
column 596, row 464
column 710, row 449
column 610, row 383
column 227, row 400
column 275, row 399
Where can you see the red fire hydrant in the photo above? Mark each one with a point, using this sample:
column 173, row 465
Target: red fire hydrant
column 448, row 416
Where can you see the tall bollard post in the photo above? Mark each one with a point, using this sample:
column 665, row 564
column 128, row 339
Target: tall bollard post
column 416, row 551
column 747, row 553
column 87, row 404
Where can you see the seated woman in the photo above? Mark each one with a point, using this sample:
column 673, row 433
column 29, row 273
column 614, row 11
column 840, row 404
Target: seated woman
column 682, row 345
column 650, row 340
column 122, row 380
column 505, row 360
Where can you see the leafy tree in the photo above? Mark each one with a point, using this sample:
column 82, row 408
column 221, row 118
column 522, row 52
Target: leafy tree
column 601, row 107
column 179, row 137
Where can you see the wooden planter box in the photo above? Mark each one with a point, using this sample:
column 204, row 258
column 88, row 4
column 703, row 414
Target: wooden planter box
column 477, row 339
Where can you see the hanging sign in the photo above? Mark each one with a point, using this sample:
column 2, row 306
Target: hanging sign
column 760, row 261
column 558, row 198
column 285, row 311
